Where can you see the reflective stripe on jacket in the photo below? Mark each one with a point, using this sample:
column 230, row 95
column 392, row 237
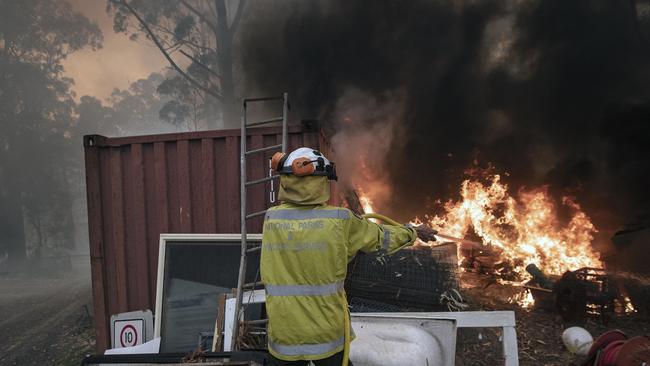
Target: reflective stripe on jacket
column 305, row 252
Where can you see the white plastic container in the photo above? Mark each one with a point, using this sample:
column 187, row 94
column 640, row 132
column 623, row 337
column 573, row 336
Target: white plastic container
column 577, row 340
column 402, row 341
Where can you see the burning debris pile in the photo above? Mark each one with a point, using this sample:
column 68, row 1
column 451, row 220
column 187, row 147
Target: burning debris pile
column 522, row 240
column 517, row 231
column 525, row 240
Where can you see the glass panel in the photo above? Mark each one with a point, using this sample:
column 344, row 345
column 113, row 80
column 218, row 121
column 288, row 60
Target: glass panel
column 195, row 274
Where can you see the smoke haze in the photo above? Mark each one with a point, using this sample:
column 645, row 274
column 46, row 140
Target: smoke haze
column 552, row 92
column 367, row 127
column 99, row 72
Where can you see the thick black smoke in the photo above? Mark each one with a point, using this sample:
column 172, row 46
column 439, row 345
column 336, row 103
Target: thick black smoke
column 553, row 92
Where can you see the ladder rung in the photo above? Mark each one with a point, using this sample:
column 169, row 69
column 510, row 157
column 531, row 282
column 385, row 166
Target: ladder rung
column 279, row 146
column 254, row 249
column 255, row 214
column 252, row 284
column 265, row 121
column 258, row 181
column 259, row 321
column 263, row 99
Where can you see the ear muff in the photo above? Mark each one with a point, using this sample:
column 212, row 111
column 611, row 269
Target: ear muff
column 277, row 161
column 301, row 167
column 331, row 171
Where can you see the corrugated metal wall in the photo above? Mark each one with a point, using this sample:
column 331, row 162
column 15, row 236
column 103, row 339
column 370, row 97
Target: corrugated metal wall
column 140, row 187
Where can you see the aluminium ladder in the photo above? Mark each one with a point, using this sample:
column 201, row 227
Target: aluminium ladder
column 244, row 184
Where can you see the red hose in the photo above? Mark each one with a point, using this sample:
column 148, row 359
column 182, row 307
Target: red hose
column 610, row 353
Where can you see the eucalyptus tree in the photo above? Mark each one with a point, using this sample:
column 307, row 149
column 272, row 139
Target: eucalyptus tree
column 196, row 38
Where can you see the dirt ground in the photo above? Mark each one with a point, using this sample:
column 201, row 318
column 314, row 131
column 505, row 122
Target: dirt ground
column 538, row 332
column 45, row 320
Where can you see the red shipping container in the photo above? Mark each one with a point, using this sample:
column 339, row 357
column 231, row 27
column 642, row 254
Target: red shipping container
column 139, row 187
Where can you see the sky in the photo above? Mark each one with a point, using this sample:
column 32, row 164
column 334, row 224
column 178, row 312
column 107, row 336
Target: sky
column 119, row 63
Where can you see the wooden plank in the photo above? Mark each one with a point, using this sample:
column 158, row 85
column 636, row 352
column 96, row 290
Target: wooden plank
column 229, row 323
column 217, row 342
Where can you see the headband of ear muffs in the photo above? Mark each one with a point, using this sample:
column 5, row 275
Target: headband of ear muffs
column 277, row 161
column 302, row 166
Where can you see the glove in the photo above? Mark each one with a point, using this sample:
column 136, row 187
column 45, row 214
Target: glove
column 425, row 233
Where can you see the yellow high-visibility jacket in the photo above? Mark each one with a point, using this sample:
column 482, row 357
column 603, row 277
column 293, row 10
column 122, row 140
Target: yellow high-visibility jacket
column 305, row 252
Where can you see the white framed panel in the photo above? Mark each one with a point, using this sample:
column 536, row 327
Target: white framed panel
column 172, row 243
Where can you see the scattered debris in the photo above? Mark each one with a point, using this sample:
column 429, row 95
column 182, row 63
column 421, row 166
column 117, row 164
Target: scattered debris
column 534, row 326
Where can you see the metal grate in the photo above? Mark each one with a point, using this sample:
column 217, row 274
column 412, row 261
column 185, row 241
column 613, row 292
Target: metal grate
column 410, row 280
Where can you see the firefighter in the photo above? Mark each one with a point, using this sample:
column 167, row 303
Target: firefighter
column 306, row 247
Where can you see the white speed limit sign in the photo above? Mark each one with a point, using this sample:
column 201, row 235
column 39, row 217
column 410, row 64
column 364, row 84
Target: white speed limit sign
column 128, row 333
column 131, row 329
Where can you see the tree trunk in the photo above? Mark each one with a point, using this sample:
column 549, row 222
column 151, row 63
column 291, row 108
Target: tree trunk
column 229, row 113
column 38, row 228
column 12, row 227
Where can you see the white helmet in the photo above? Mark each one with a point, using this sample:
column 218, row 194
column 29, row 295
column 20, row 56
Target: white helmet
column 302, row 162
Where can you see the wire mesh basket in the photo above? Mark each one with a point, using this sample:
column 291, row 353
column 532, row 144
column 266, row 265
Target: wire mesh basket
column 413, row 279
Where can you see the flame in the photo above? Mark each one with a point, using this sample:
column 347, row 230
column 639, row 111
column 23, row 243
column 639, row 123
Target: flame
column 628, row 307
column 524, row 299
column 365, row 201
column 526, row 229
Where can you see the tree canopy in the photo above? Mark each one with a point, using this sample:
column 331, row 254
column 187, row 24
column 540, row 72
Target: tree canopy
column 36, row 112
column 198, row 34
